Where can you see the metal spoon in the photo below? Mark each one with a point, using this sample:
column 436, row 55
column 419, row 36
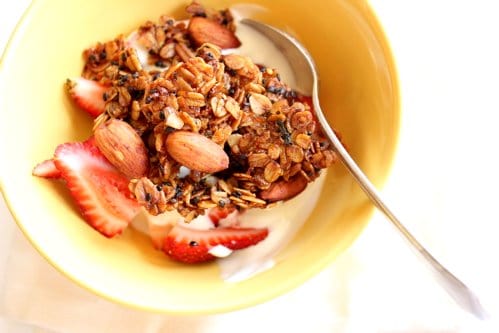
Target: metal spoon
column 303, row 67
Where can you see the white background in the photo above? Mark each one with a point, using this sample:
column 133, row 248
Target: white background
column 443, row 185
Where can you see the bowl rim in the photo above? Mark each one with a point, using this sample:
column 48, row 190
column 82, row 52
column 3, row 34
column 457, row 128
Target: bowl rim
column 316, row 267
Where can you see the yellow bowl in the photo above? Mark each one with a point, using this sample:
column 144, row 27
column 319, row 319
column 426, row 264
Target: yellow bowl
column 359, row 92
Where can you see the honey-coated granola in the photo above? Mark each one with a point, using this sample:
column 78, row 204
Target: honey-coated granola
column 266, row 129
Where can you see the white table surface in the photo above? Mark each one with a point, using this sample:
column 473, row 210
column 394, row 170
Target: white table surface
column 443, row 185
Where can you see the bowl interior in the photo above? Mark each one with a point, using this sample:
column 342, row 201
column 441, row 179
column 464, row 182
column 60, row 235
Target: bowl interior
column 359, row 93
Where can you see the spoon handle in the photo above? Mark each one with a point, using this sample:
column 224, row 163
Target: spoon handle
column 455, row 287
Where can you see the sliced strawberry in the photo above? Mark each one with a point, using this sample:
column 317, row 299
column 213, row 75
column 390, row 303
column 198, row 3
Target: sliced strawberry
column 87, row 94
column 192, row 245
column 218, row 213
column 46, row 169
column 98, row 188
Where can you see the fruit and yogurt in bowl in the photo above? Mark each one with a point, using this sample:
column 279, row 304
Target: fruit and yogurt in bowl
column 194, row 143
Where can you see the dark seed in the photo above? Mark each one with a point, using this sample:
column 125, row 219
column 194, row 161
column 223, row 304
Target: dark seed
column 148, row 197
column 178, row 192
column 103, row 55
column 276, row 90
column 209, row 56
column 136, row 93
column 193, row 243
column 285, row 135
column 290, row 94
column 122, row 79
column 160, row 63
column 92, row 58
column 169, row 129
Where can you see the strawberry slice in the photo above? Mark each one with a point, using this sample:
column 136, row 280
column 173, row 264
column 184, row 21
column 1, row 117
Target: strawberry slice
column 87, row 94
column 46, row 169
column 218, row 213
column 193, row 245
column 100, row 190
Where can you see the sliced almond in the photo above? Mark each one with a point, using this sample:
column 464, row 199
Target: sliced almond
column 203, row 30
column 284, row 190
column 172, row 119
column 196, row 152
column 123, row 147
column 259, row 103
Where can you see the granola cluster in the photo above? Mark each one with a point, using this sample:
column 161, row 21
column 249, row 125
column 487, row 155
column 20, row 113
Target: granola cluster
column 268, row 131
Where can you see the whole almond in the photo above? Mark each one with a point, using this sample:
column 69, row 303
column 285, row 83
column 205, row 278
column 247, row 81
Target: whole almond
column 284, row 190
column 123, row 147
column 203, row 30
column 196, row 152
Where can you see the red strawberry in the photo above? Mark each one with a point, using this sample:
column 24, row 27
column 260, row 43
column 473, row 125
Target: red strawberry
column 87, row 94
column 192, row 245
column 98, row 188
column 218, row 213
column 46, row 169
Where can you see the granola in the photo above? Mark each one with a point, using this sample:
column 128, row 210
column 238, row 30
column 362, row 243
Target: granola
column 267, row 130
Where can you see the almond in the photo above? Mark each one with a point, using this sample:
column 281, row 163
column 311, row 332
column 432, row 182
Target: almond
column 203, row 30
column 284, row 190
column 123, row 147
column 196, row 152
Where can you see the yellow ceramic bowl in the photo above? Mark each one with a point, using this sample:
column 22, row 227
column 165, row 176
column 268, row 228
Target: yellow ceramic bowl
column 358, row 91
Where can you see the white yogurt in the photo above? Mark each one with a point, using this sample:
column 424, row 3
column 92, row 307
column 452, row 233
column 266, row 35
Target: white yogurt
column 283, row 220
column 220, row 251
